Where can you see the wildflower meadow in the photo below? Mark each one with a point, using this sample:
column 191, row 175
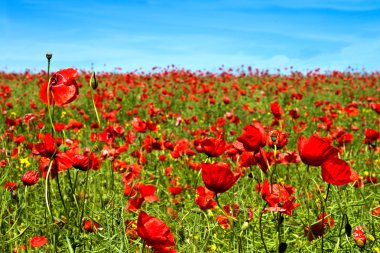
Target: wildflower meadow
column 173, row 160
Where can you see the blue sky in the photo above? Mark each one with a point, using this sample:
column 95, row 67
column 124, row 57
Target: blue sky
column 193, row 34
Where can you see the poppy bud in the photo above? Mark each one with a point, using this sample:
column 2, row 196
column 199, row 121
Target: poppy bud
column 245, row 225
column 49, row 56
column 30, row 178
column 93, row 81
column 348, row 229
column 282, row 247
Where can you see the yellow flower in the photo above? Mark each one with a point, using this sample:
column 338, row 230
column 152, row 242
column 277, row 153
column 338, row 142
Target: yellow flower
column 63, row 114
column 25, row 162
column 213, row 247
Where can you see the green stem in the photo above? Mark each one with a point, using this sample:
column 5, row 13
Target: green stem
column 261, row 227
column 84, row 200
column 48, row 106
column 279, row 224
column 47, row 190
column 323, row 214
column 61, row 196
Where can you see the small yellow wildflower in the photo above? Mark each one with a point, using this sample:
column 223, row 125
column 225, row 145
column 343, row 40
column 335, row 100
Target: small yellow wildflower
column 63, row 114
column 25, row 162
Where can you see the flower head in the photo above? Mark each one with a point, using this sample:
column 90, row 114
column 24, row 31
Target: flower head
column 218, row 177
column 62, row 88
column 278, row 196
column 253, row 137
column 154, row 232
column 30, row 178
column 315, row 150
column 38, row 241
column 338, row 172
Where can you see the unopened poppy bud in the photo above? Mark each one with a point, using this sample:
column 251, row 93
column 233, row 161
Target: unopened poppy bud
column 30, row 178
column 93, row 81
column 348, row 229
column 282, row 247
column 49, row 56
column 245, row 225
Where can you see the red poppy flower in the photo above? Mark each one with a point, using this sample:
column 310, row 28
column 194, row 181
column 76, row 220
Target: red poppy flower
column 175, row 190
column 210, row 146
column 84, row 163
column 38, row 241
column 261, row 160
column 294, row 113
column 135, row 203
column 371, row 136
column 376, row 211
column 48, row 150
column 63, row 88
column 246, row 160
column 315, row 150
column 30, row 178
column 278, row 138
column 276, row 110
column 205, row 198
column 232, row 209
column 318, row 229
column 253, row 137
column 154, row 232
column 223, row 221
column 218, row 177
column 90, row 226
column 139, row 125
column 338, row 172
column 148, row 192
column 10, row 186
column 278, row 197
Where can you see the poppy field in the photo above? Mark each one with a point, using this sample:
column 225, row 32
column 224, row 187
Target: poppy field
column 172, row 160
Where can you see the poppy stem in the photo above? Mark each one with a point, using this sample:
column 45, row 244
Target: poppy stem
column 96, row 110
column 217, row 201
column 47, row 190
column 84, row 198
column 61, row 196
column 93, row 86
column 261, row 227
column 280, row 219
column 323, row 213
column 48, row 92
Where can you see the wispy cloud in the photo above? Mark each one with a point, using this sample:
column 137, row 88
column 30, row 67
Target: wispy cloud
column 193, row 34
